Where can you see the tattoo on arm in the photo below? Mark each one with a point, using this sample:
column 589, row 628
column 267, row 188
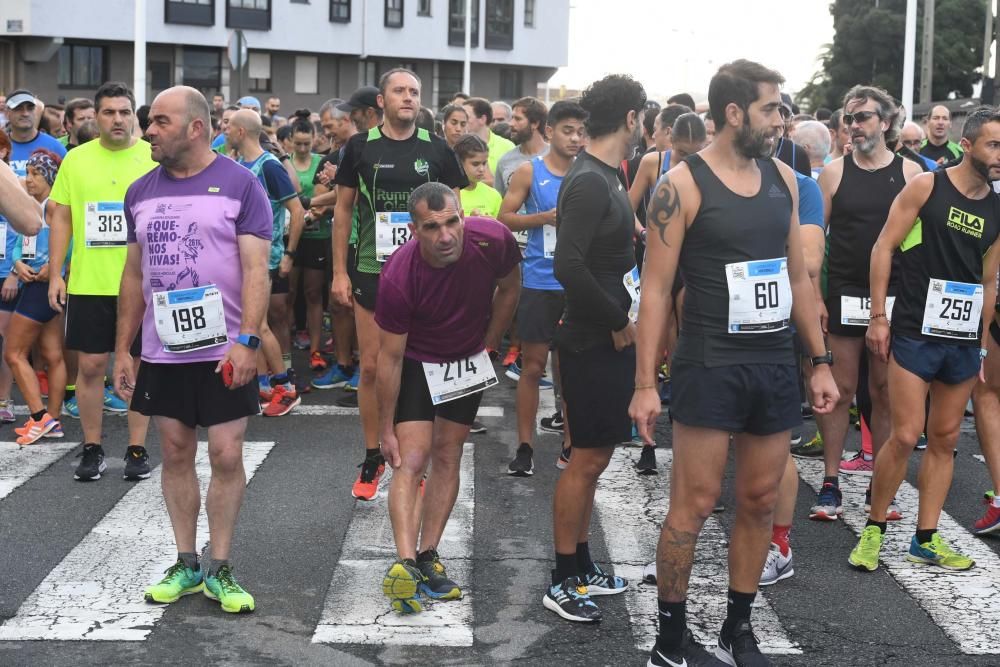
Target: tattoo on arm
column 665, row 205
column 676, row 557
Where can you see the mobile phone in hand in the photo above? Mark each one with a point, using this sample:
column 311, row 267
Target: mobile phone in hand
column 227, row 373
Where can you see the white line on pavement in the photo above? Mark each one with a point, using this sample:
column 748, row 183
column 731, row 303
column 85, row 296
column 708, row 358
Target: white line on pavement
column 96, row 592
column 979, row 457
column 355, row 611
column 631, row 521
column 963, row 604
column 19, row 464
column 333, row 410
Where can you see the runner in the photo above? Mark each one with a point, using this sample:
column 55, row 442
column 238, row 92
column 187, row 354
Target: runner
column 946, row 225
column 685, row 137
column 379, row 170
column 78, row 111
column 594, row 262
column 455, row 119
column 937, row 146
column 728, row 220
column 88, row 195
column 534, row 188
column 480, row 119
column 446, row 297
column 478, row 199
column 195, row 279
column 23, row 132
column 528, row 124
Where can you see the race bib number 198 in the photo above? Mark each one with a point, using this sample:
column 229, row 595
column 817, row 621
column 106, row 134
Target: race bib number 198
column 190, row 319
column 451, row 380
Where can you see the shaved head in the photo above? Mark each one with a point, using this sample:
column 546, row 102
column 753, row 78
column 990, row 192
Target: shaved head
column 249, row 121
column 197, row 107
column 179, row 128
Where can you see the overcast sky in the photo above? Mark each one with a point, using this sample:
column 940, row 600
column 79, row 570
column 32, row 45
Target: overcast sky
column 676, row 45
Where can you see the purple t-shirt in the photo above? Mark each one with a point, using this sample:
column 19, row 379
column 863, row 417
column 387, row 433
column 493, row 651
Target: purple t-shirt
column 186, row 230
column 445, row 311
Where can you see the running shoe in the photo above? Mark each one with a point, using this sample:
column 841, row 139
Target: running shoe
column 136, row 463
column 180, row 581
column 317, row 363
column 892, row 513
column 777, row 566
column 352, row 384
column 70, row 408
column 43, row 383
column 283, row 401
column 401, row 584
column 829, row 504
column 796, row 438
column 689, row 654
column 937, row 552
column 571, row 600
column 599, row 582
column 7, row 411
column 436, row 584
column 223, row 588
column 512, row 355
column 739, row 647
column 647, row 461
column 349, row 400
column 553, row 424
column 113, row 403
column 563, row 459
column 521, row 465
column 864, row 556
column 921, row 442
column 264, row 388
column 649, row 573
column 33, row 431
column 91, row 465
column 56, row 432
column 854, row 416
column 990, row 521
column 810, row 450
column 366, row 486
column 334, row 377
column 514, row 373
column 857, row 465
column 477, row 427
column 301, row 340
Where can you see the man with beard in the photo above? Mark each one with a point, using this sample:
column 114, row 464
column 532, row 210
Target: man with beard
column 727, row 219
column 528, row 126
column 858, row 190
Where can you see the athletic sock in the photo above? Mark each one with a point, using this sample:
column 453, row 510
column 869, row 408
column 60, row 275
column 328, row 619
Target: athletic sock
column 881, row 525
column 70, row 392
column 216, row 565
column 565, row 568
column 372, row 453
column 996, row 500
column 672, row 619
column 737, row 609
column 832, row 480
column 779, row 536
column 37, row 416
column 584, row 564
column 924, row 536
column 189, row 559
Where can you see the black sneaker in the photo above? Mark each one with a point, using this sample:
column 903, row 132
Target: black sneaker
column 647, row 461
column 563, row 461
column 571, row 600
column 521, row 466
column 436, row 584
column 477, row 427
column 553, row 424
column 92, row 465
column 347, row 401
column 689, row 654
column 136, row 463
column 740, row 648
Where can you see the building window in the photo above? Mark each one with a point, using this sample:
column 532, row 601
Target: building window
column 259, row 71
column 393, row 13
column 340, row 11
column 456, row 23
column 529, row 13
column 203, row 69
column 306, row 75
column 424, row 8
column 248, row 14
column 161, row 75
column 81, row 66
column 189, row 12
column 500, row 24
column 449, row 82
column 511, row 83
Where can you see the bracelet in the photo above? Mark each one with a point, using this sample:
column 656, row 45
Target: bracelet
column 982, row 353
column 877, row 315
column 644, row 386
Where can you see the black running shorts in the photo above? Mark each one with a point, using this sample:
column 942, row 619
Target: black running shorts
column 91, row 323
column 414, row 402
column 597, row 385
column 538, row 314
column 193, row 394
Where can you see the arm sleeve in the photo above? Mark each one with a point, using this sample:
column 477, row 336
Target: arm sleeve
column 279, row 184
column 255, row 211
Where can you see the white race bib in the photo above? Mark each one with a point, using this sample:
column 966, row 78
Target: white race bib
column 549, row 241
column 104, row 224
column 631, row 282
column 855, row 311
column 190, row 319
column 952, row 309
column 522, row 238
column 29, row 247
column 451, row 380
column 3, row 240
column 391, row 231
column 760, row 296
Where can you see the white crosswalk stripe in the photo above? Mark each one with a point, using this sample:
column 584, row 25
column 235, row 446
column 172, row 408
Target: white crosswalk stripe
column 19, row 464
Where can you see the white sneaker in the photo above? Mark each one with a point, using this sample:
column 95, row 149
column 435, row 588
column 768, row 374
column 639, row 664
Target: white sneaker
column 649, row 573
column 776, row 567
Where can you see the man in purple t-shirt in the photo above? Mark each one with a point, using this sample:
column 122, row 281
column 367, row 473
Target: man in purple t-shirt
column 445, row 299
column 199, row 228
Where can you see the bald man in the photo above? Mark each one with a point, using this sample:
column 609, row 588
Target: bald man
column 937, row 146
column 200, row 300
column 911, row 139
column 814, row 137
column 276, row 386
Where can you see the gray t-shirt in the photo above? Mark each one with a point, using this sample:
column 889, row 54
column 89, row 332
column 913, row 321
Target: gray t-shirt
column 508, row 164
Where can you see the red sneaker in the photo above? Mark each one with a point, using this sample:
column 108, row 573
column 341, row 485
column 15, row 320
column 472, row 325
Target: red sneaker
column 283, row 400
column 990, row 521
column 366, row 486
column 512, row 354
column 317, row 362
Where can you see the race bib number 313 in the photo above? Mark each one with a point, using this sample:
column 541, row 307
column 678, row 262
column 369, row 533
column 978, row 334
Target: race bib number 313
column 104, row 224
column 392, row 230
column 760, row 296
column 952, row 309
column 451, row 380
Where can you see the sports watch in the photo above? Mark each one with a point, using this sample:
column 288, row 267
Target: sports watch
column 248, row 340
column 823, row 359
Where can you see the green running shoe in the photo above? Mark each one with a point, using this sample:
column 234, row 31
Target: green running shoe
column 401, row 584
column 223, row 588
column 811, row 449
column 180, row 581
column 436, row 584
column 865, row 555
column 937, row 552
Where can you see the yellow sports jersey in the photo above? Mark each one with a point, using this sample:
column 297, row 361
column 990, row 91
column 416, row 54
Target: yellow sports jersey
column 483, row 201
column 498, row 148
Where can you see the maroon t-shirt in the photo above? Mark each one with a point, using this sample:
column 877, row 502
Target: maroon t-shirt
column 445, row 311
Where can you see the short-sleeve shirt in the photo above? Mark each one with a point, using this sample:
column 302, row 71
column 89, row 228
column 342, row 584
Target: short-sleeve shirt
column 810, row 201
column 482, row 201
column 92, row 174
column 278, row 187
column 187, row 230
column 498, row 148
column 21, row 151
column 445, row 311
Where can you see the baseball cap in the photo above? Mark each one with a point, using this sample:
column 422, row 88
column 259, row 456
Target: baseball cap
column 366, row 96
column 249, row 101
column 786, row 101
column 19, row 97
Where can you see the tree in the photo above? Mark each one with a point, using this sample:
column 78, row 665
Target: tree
column 868, row 48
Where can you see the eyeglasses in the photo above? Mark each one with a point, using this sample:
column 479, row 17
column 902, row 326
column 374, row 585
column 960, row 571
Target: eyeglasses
column 913, row 143
column 858, row 117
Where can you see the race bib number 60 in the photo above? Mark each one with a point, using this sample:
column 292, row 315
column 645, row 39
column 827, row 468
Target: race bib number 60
column 760, row 296
column 392, row 230
column 451, row 380
column 104, row 224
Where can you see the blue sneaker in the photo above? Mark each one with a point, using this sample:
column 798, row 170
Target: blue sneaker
column 352, row 384
column 70, row 408
column 571, row 600
column 334, row 377
column 599, row 582
column 514, row 373
column 112, row 402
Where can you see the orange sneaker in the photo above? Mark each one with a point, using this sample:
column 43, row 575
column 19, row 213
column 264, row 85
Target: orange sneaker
column 283, row 400
column 366, row 486
column 33, row 431
column 317, row 362
column 512, row 354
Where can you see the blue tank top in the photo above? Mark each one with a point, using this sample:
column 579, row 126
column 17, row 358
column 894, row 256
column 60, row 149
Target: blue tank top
column 13, row 241
column 536, row 270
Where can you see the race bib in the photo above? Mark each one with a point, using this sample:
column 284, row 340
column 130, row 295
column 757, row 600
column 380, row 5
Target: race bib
column 29, row 246
column 522, row 238
column 391, row 231
column 855, row 311
column 190, row 319
column 952, row 309
column 3, row 240
column 760, row 296
column 451, row 380
column 631, row 282
column 104, row 224
column 549, row 241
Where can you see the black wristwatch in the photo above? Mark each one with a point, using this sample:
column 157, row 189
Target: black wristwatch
column 290, row 253
column 824, row 359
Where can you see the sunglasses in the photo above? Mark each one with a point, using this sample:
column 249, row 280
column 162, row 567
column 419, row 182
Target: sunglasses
column 859, row 117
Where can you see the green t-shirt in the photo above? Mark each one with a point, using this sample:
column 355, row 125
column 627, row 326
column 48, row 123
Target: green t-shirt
column 316, row 229
column 482, row 201
column 93, row 178
column 498, row 148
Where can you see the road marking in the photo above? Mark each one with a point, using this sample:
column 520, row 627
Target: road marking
column 980, row 458
column 355, row 612
column 19, row 464
column 546, row 406
column 333, row 410
column 96, row 592
column 963, row 604
column 631, row 523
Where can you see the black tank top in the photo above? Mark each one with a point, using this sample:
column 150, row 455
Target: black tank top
column 730, row 228
column 857, row 215
column 948, row 243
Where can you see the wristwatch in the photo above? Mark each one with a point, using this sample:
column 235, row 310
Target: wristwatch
column 823, row 359
column 290, row 253
column 248, row 340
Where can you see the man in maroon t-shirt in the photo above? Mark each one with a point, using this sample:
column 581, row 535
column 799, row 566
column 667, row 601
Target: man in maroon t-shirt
column 445, row 299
